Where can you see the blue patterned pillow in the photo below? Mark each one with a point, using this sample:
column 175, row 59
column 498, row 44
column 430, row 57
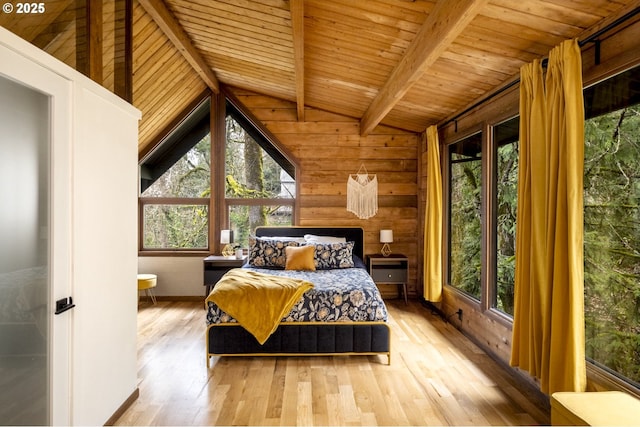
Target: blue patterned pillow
column 333, row 255
column 268, row 253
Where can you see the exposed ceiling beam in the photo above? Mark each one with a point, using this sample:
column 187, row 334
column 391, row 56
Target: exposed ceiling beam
column 172, row 28
column 94, row 41
column 445, row 22
column 297, row 25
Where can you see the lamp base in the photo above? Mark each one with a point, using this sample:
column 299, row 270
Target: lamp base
column 386, row 250
column 228, row 250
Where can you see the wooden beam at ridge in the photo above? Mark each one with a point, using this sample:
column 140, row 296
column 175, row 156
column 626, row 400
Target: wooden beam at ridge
column 174, row 31
column 123, row 50
column 445, row 22
column 88, row 21
column 95, row 37
column 297, row 26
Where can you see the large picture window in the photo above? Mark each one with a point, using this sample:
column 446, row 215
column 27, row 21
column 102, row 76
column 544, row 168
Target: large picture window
column 179, row 211
column 482, row 189
column 465, row 215
column 612, row 224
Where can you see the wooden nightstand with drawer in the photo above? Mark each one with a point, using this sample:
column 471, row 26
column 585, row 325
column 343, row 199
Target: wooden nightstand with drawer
column 393, row 270
column 215, row 266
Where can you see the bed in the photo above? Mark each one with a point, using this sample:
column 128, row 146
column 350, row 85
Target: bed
column 340, row 315
column 23, row 312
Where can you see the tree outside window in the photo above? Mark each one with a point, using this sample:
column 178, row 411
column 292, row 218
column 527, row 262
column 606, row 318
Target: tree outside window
column 505, row 141
column 612, row 225
column 465, row 215
column 258, row 190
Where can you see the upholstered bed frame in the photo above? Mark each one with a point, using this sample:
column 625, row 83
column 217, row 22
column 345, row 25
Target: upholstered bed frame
column 305, row 338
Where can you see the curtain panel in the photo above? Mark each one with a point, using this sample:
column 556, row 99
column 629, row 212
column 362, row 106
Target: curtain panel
column 548, row 330
column 433, row 220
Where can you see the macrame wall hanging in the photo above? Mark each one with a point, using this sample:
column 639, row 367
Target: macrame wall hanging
column 362, row 194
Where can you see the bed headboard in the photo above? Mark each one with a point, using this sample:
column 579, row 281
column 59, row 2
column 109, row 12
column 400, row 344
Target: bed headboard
column 354, row 234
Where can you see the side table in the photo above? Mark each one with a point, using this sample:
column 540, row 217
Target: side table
column 393, row 269
column 215, row 266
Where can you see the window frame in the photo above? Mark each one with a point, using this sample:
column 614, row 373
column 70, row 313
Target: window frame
column 488, row 245
column 217, row 202
column 177, row 201
column 470, row 299
column 492, row 238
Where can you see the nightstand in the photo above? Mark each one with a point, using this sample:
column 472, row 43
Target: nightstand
column 215, row 266
column 393, row 270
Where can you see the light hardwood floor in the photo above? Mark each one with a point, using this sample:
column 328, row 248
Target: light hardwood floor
column 436, row 377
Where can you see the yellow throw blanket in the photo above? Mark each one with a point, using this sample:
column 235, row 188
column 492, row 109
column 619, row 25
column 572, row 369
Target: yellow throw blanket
column 257, row 301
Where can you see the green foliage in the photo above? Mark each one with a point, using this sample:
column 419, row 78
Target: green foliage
column 237, row 190
column 507, row 187
column 255, row 174
column 240, row 219
column 465, row 245
column 176, row 226
column 465, row 235
column 612, row 240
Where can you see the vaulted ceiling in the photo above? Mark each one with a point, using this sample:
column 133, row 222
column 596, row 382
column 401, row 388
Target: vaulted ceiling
column 406, row 64
column 401, row 63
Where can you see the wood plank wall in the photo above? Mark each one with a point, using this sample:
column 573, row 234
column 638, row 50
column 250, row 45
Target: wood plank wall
column 328, row 147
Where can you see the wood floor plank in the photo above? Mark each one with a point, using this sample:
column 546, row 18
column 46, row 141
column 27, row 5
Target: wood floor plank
column 436, row 377
column 274, row 407
column 290, row 394
column 321, row 379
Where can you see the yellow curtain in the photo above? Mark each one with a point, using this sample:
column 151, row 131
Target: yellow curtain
column 530, row 245
column 548, row 330
column 433, row 220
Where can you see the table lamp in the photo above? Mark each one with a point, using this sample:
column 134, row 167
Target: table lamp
column 226, row 237
column 386, row 237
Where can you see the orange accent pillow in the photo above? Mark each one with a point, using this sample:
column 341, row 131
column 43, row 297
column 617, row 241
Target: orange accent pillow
column 300, row 258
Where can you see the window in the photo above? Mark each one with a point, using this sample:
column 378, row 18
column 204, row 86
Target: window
column 612, row 224
column 176, row 226
column 175, row 207
column 465, row 215
column 258, row 189
column 482, row 208
column 505, row 143
column 177, row 204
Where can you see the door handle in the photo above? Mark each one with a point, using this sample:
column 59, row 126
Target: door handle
column 64, row 304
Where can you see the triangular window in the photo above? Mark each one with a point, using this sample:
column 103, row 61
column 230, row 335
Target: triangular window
column 178, row 208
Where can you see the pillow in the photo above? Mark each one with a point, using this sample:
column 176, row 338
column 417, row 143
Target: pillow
column 333, row 255
column 268, row 253
column 359, row 263
column 300, row 258
column 285, row 238
column 312, row 238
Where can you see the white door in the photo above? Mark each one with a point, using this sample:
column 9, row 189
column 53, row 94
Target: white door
column 35, row 242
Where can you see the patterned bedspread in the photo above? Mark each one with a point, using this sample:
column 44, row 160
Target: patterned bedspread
column 23, row 291
column 347, row 294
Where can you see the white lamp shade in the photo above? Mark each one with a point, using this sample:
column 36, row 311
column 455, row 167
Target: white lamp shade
column 225, row 236
column 386, row 236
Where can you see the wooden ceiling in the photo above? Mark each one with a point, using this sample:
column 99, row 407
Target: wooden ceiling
column 401, row 63
column 406, row 64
